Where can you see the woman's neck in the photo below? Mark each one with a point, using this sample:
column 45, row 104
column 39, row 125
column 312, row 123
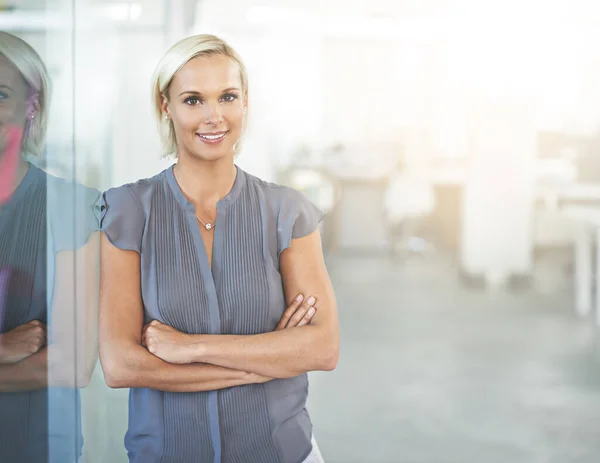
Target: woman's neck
column 21, row 171
column 12, row 173
column 205, row 182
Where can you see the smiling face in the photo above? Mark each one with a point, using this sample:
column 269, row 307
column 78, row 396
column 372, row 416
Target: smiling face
column 206, row 104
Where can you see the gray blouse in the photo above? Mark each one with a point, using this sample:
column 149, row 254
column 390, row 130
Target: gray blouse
column 242, row 294
column 44, row 216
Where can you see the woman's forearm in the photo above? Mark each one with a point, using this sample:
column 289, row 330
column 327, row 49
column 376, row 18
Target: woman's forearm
column 278, row 354
column 73, row 330
column 140, row 369
column 29, row 374
column 48, row 367
column 34, row 373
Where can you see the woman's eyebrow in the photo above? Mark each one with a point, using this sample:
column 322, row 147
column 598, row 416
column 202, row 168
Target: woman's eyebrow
column 194, row 92
column 5, row 87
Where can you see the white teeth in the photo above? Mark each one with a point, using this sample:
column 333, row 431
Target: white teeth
column 213, row 137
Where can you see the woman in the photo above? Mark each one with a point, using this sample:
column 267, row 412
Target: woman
column 47, row 255
column 198, row 265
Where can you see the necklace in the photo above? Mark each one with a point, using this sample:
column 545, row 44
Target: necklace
column 208, row 226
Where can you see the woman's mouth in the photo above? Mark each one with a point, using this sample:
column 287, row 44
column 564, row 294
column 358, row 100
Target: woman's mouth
column 212, row 138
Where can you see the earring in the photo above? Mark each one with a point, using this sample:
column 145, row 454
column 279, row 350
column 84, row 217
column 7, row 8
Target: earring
column 166, row 117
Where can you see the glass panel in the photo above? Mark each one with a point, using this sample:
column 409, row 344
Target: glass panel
column 47, row 249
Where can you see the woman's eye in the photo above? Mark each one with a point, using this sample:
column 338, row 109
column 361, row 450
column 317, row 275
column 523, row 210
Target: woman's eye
column 3, row 96
column 192, row 100
column 229, row 97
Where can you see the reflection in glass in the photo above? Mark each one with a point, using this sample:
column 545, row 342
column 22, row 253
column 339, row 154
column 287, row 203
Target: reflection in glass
column 47, row 275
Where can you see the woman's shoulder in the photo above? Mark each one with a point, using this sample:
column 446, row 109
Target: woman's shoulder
column 129, row 201
column 296, row 215
column 65, row 196
column 124, row 210
column 71, row 208
column 63, row 188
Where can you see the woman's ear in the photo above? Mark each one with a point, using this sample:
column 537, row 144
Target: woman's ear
column 164, row 105
column 33, row 105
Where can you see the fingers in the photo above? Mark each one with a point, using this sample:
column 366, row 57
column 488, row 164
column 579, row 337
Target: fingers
column 147, row 326
column 145, row 335
column 153, row 324
column 289, row 312
column 149, row 340
column 36, row 335
column 41, row 335
column 146, row 338
column 29, row 326
column 36, row 325
column 37, row 331
column 301, row 312
column 310, row 313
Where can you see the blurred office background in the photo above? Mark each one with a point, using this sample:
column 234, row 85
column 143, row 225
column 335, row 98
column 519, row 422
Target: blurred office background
column 455, row 146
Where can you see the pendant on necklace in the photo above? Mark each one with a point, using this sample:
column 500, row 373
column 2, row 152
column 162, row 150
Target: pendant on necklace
column 208, row 226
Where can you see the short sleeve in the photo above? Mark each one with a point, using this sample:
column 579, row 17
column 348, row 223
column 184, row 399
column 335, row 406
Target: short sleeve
column 298, row 217
column 73, row 218
column 122, row 218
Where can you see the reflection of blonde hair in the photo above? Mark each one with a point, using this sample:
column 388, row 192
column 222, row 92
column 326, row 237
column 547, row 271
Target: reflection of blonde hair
column 35, row 74
column 175, row 58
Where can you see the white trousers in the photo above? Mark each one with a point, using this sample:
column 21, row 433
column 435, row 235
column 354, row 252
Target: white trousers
column 315, row 456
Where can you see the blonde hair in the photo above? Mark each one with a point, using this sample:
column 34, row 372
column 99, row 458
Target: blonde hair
column 173, row 60
column 36, row 76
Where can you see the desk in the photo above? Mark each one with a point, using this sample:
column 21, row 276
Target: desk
column 587, row 219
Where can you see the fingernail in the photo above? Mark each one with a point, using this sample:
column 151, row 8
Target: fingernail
column 311, row 311
column 299, row 297
column 311, row 300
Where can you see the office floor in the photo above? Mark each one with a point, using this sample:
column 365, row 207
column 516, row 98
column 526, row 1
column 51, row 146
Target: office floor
column 431, row 372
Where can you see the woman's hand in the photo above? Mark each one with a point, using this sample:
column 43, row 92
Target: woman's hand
column 22, row 341
column 173, row 346
column 299, row 313
column 167, row 343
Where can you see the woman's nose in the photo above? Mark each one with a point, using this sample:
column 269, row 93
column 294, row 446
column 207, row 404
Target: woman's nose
column 213, row 114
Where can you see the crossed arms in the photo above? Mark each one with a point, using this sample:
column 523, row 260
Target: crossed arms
column 27, row 360
column 157, row 356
